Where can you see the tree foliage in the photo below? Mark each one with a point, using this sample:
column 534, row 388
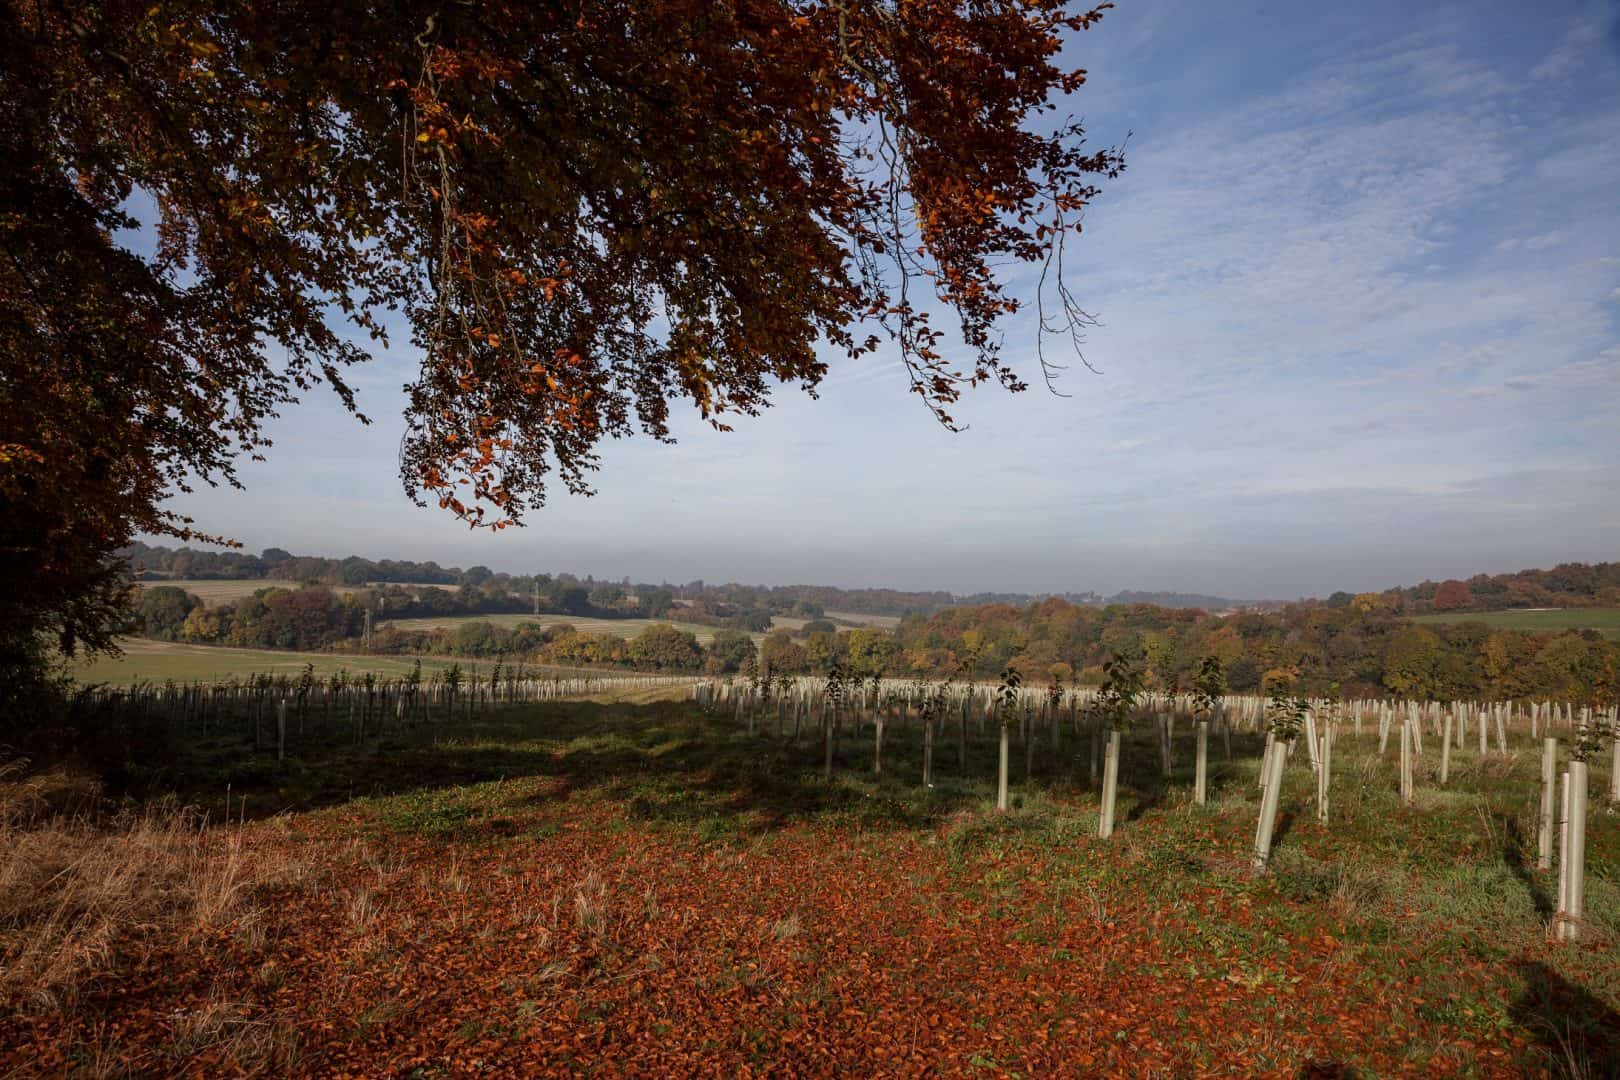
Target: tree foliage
column 583, row 211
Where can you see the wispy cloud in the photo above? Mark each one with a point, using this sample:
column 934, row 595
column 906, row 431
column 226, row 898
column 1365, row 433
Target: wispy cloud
column 1361, row 324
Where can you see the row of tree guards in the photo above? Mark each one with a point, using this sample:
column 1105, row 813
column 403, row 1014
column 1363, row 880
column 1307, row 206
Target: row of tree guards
column 843, row 702
column 282, row 710
column 285, row 709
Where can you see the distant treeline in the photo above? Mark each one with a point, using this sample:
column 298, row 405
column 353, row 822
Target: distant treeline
column 730, row 604
column 278, row 565
column 1349, row 651
column 1565, row 585
column 1355, row 650
column 1171, row 600
column 315, row 618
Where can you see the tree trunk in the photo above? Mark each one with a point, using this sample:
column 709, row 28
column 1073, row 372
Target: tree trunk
column 828, row 725
column 1096, row 750
column 961, row 737
column 1165, row 764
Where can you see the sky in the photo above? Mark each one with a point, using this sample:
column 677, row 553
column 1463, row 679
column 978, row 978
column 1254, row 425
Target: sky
column 1359, row 303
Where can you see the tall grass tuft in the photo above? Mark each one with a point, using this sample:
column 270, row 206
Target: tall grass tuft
column 81, row 887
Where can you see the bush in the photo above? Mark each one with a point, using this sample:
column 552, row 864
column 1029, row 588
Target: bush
column 730, row 651
column 661, row 647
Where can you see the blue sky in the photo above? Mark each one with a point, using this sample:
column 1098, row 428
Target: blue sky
column 1360, row 303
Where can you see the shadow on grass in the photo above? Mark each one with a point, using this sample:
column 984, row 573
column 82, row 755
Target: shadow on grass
column 1152, row 797
column 1576, row 1030
column 1326, row 1070
column 666, row 761
column 1513, row 854
column 1279, row 832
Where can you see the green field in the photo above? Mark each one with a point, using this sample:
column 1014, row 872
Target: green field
column 887, row 622
column 1605, row 621
column 626, row 628
column 214, row 593
column 155, row 661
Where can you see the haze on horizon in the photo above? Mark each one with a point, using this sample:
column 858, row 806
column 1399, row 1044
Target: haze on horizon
column 1360, row 303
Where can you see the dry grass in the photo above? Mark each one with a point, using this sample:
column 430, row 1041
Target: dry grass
column 591, row 904
column 239, row 1033
column 82, row 890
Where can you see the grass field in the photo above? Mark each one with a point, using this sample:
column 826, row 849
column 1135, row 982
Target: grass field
column 145, row 660
column 887, row 622
column 1604, row 620
column 555, row 887
column 620, row 627
column 219, row 592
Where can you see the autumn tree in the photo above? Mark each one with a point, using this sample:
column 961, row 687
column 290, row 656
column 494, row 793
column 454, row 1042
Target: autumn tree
column 871, row 650
column 661, row 647
column 1409, row 663
column 1452, row 596
column 583, row 212
column 779, row 652
column 730, row 650
column 162, row 611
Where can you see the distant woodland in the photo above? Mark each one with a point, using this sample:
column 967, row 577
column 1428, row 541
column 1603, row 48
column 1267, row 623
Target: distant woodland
column 1361, row 645
column 1565, row 585
column 153, row 563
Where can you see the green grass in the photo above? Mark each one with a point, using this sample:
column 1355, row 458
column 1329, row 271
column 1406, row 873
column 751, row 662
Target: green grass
column 626, row 628
column 145, row 660
column 669, row 762
column 215, row 593
column 1435, row 909
column 1605, row 621
column 631, row 627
